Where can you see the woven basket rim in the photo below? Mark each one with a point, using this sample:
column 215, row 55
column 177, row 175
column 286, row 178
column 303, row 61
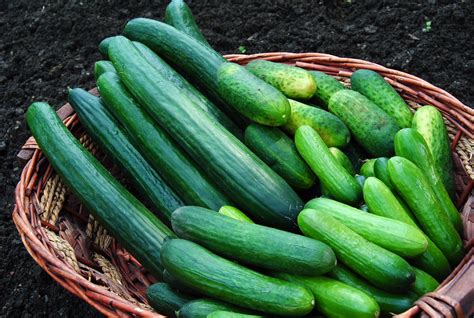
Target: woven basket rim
column 110, row 304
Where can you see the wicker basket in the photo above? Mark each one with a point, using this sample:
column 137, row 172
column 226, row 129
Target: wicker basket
column 79, row 254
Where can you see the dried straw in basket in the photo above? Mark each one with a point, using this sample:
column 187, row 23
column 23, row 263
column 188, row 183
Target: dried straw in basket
column 79, row 254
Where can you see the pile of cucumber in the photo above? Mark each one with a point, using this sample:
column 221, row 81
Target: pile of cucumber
column 347, row 195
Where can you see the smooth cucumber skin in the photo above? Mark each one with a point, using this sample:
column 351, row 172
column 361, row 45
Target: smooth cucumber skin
column 367, row 168
column 326, row 86
column 411, row 145
column 234, row 213
column 335, row 179
column 331, row 129
column 176, row 284
column 201, row 308
column 389, row 302
column 100, row 67
column 217, row 277
column 227, row 162
column 374, row 87
column 165, row 300
column 105, row 130
column 279, row 152
column 116, row 209
column 229, row 314
column 424, row 283
column 336, row 299
column 343, row 159
column 380, row 171
column 179, row 15
column 370, row 126
column 253, row 244
column 104, row 47
column 178, row 170
column 382, row 201
column 292, row 81
column 251, row 96
column 396, row 236
column 430, row 124
column 415, row 189
column 382, row 268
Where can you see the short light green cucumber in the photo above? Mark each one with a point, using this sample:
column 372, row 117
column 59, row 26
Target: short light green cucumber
column 380, row 171
column 234, row 213
column 201, row 308
column 367, row 169
column 343, row 159
column 229, row 314
column 424, row 283
column 165, row 299
column 292, row 81
column 100, row 67
column 326, row 87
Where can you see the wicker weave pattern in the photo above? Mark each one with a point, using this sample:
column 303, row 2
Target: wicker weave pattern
column 79, row 254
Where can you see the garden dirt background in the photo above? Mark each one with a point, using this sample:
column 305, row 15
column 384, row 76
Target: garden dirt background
column 47, row 46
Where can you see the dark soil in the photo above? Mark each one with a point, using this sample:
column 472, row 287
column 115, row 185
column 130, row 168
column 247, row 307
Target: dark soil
column 48, row 46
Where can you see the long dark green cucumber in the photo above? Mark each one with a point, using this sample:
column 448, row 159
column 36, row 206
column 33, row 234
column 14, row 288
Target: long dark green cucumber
column 374, row 87
column 201, row 308
column 430, row 124
column 217, row 277
column 158, row 148
column 326, row 87
column 382, row 268
column 116, row 209
column 234, row 213
column 336, row 299
column 389, row 302
column 229, row 314
column 415, row 189
column 179, row 15
column 370, row 126
column 396, row 236
column 382, row 201
column 411, row 145
column 424, row 283
column 279, row 152
column 253, row 244
column 105, row 130
column 230, row 164
column 176, row 284
column 165, row 300
column 100, row 67
column 336, row 180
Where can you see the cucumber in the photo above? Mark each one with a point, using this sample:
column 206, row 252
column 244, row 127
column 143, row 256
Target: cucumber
column 370, row 126
column 396, row 236
column 383, row 202
column 382, row 268
column 336, row 180
column 201, row 308
column 179, row 15
column 251, row 96
column 424, row 283
column 217, row 277
column 157, row 146
column 411, row 145
column 292, row 81
column 374, row 87
column 367, row 169
column 279, row 152
column 226, row 161
column 355, row 153
column 165, row 299
column 229, row 314
column 415, row 189
column 116, row 209
column 389, row 302
column 253, row 244
column 176, row 284
column 326, row 87
column 100, row 67
column 430, row 124
column 234, row 213
column 380, row 171
column 331, row 129
column 105, row 130
column 104, row 47
column 343, row 159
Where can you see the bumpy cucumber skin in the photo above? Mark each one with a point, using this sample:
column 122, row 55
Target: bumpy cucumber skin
column 253, row 244
column 116, row 209
column 165, row 300
column 292, row 81
column 430, row 124
column 424, row 283
column 396, row 236
column 389, row 302
column 106, row 131
column 367, row 169
column 100, row 67
column 326, row 86
column 370, row 126
column 331, row 129
column 251, row 96
column 336, row 299
column 158, row 148
column 416, row 190
column 343, row 159
column 411, row 145
column 337, row 181
column 217, row 277
column 279, row 152
column 382, row 201
column 234, row 213
column 374, row 87
column 179, row 15
column 382, row 268
column 201, row 308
